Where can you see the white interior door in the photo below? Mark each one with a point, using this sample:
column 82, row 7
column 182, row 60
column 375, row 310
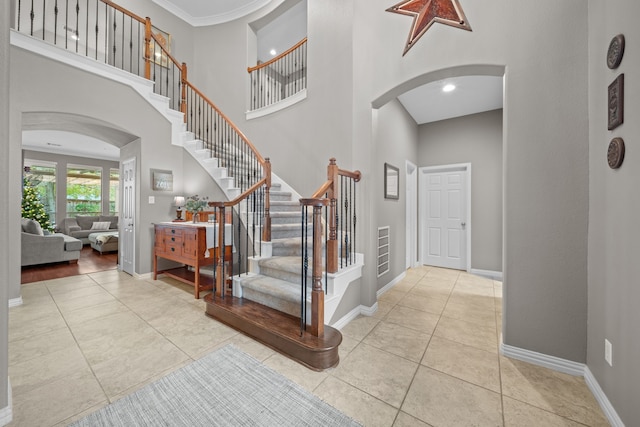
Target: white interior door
column 443, row 217
column 127, row 229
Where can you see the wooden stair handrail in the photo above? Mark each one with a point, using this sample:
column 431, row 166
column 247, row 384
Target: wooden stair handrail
column 123, row 10
column 277, row 58
column 233, row 126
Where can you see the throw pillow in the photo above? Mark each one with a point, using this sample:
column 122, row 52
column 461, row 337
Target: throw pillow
column 100, row 225
column 33, row 227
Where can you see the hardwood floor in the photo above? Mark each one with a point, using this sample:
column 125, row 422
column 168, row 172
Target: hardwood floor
column 90, row 262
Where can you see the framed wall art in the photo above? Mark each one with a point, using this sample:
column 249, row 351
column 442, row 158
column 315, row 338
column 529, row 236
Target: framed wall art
column 616, row 103
column 391, row 182
column 161, row 180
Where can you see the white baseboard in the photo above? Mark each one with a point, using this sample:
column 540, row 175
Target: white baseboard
column 391, row 284
column 544, row 360
column 6, row 413
column 145, row 276
column 361, row 309
column 567, row 367
column 14, row 302
column 494, row 275
column 602, row 399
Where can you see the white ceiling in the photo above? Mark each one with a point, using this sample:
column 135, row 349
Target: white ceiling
column 210, row 12
column 69, row 143
column 473, row 94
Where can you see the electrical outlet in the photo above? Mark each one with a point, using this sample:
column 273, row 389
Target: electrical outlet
column 152, row 200
column 608, row 352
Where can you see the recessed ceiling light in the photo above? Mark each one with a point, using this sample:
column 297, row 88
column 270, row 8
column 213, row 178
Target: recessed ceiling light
column 273, row 52
column 449, row 87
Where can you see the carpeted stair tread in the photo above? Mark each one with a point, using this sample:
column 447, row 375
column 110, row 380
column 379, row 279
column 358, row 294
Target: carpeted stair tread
column 270, row 285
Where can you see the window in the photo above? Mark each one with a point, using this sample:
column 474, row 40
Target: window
column 42, row 175
column 114, row 191
column 84, row 187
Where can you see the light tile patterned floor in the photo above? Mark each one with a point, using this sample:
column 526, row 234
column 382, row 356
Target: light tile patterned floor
column 428, row 357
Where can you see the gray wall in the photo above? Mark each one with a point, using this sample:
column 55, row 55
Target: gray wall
column 395, row 134
column 64, row 89
column 61, row 173
column 300, row 139
column 614, row 205
column 545, row 145
column 475, row 139
column 9, row 212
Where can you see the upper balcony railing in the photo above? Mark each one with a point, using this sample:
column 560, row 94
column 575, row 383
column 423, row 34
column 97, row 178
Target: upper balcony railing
column 106, row 32
column 279, row 78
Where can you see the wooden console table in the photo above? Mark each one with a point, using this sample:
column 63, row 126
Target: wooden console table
column 186, row 243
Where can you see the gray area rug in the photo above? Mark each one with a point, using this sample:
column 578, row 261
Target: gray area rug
column 225, row 388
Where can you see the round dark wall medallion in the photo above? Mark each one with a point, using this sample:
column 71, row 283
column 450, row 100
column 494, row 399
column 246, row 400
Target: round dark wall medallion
column 615, row 52
column 615, row 153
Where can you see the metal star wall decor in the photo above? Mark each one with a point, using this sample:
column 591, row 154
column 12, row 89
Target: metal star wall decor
column 426, row 12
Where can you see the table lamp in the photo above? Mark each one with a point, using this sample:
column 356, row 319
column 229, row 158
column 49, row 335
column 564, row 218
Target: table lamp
column 178, row 202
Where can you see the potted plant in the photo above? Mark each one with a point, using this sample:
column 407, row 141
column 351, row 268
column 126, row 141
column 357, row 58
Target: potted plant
column 195, row 204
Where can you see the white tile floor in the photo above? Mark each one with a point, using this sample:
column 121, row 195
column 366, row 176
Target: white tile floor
column 428, row 357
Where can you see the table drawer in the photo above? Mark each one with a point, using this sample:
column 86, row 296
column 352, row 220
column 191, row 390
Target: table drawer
column 170, row 231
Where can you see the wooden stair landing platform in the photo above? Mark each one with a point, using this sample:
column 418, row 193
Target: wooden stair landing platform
column 277, row 330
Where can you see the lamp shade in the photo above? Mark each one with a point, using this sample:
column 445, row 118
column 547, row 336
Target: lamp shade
column 178, row 201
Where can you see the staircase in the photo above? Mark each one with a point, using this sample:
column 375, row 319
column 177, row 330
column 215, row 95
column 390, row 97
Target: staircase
column 274, row 279
column 265, row 300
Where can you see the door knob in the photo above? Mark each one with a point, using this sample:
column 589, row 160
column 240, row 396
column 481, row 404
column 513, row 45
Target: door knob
column 463, row 224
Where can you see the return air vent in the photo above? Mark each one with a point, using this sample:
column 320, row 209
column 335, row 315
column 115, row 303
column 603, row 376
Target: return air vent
column 384, row 240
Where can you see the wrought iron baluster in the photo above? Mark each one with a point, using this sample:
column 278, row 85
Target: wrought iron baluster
column 115, row 40
column 77, row 32
column 44, row 16
column 55, row 23
column 32, row 15
column 97, row 30
column 130, row 45
column 106, row 33
column 122, row 45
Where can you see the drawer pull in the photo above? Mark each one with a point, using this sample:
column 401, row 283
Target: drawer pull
column 173, row 239
column 173, row 231
column 173, row 249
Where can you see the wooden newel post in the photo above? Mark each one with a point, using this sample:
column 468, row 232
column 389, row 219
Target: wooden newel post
column 183, row 100
column 317, row 293
column 147, row 48
column 332, row 195
column 266, row 231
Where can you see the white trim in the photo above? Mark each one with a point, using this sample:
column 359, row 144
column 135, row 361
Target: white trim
column 602, row 399
column 220, row 18
column 544, row 360
column 411, row 215
column 146, row 276
column 6, row 413
column 391, row 284
column 14, row 302
column 495, row 275
column 567, row 367
column 451, row 168
column 280, row 105
column 361, row 309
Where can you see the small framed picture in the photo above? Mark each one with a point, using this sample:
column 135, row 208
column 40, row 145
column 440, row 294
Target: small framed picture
column 159, row 54
column 616, row 102
column 161, row 180
column 391, row 182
